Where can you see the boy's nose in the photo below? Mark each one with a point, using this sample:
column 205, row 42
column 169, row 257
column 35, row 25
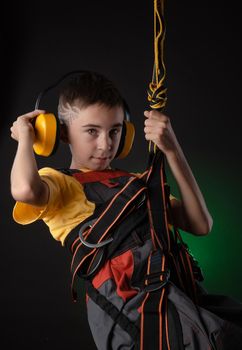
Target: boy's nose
column 105, row 142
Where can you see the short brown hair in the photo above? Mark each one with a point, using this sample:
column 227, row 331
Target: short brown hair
column 87, row 88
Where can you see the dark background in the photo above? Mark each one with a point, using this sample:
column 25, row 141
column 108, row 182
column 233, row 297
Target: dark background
column 42, row 41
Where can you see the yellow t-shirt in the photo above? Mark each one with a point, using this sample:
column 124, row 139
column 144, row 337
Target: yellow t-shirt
column 66, row 208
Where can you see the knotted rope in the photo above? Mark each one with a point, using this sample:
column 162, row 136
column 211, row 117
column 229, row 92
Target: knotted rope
column 157, row 91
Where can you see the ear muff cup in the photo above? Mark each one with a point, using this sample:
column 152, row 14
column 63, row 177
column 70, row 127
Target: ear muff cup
column 47, row 134
column 126, row 141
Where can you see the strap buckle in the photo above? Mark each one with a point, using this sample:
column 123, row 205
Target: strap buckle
column 154, row 282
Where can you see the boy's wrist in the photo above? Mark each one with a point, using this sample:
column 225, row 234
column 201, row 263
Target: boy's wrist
column 26, row 142
column 174, row 154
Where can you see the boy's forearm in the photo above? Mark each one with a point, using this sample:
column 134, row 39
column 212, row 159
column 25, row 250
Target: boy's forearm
column 26, row 184
column 197, row 216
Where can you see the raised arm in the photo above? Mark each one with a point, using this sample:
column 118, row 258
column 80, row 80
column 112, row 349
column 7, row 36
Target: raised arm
column 190, row 213
column 26, row 184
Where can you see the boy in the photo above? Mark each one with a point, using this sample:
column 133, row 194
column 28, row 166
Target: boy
column 91, row 112
column 92, row 127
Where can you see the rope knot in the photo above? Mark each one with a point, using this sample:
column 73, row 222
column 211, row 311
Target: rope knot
column 157, row 95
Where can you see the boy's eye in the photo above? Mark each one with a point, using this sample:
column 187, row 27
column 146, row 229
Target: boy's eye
column 114, row 132
column 92, row 131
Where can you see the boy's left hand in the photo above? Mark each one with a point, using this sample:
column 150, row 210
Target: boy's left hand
column 158, row 129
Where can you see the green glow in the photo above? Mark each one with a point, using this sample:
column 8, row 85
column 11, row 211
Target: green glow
column 219, row 254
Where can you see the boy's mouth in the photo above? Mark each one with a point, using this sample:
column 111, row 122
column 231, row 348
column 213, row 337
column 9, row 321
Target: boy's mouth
column 102, row 158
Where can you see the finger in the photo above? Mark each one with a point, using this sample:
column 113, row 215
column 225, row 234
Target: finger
column 156, row 115
column 14, row 136
column 152, row 137
column 150, row 129
column 32, row 114
column 157, row 125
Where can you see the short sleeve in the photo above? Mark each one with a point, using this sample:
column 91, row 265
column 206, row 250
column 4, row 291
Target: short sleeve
column 24, row 213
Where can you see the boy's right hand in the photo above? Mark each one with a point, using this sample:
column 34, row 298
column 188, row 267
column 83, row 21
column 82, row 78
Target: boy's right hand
column 22, row 128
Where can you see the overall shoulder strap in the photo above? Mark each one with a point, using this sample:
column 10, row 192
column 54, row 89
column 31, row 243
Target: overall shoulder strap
column 105, row 177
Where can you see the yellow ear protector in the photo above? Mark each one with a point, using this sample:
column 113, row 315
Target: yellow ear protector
column 47, row 128
column 127, row 136
column 47, row 134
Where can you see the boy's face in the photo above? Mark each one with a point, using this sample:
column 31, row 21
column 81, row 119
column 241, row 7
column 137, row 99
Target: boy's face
column 94, row 134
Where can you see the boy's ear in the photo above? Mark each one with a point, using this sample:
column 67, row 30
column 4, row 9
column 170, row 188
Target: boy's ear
column 64, row 133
